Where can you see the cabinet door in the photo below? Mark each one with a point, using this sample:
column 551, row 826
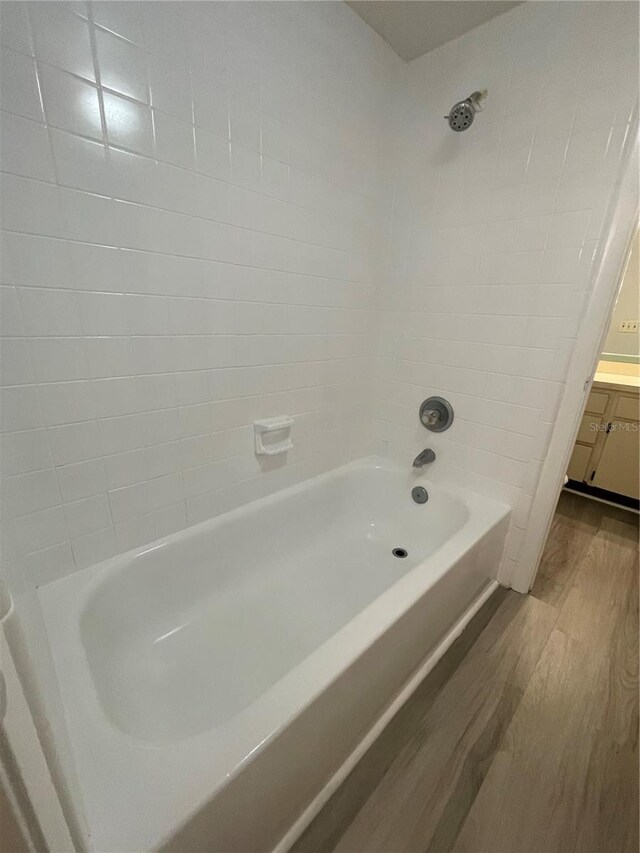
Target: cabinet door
column 597, row 402
column 577, row 469
column 617, row 469
column 627, row 407
column 589, row 429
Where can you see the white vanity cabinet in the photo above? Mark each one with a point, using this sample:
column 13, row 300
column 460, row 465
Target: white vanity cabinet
column 606, row 453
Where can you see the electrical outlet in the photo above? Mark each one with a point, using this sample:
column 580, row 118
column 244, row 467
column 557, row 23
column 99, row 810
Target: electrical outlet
column 628, row 326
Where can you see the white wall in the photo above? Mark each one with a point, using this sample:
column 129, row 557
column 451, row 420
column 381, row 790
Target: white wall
column 494, row 234
column 627, row 307
column 192, row 210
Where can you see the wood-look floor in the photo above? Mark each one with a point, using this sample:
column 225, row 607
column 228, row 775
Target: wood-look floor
column 524, row 738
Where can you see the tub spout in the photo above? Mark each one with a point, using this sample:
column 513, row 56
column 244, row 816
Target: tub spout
column 424, row 457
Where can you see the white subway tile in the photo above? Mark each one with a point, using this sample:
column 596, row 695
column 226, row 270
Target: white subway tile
column 15, row 362
column 90, row 218
column 167, row 31
column 58, row 359
column 80, row 163
column 61, row 38
column 96, row 267
column 580, row 190
column 114, row 396
column 211, row 107
column 103, row 314
column 547, row 156
column 530, row 233
column 170, row 519
column 66, row 402
column 49, row 312
column 74, row 442
column 244, row 118
column 125, row 19
column 135, row 532
column 81, row 479
column 167, row 490
column 70, row 103
column 138, row 227
column 39, row 261
column 20, row 408
column 94, row 548
column 170, row 89
column 10, row 316
column 587, row 150
column 19, row 92
column 159, row 427
column 87, row 515
column 163, row 459
column 156, row 392
column 174, row 140
column 31, row 206
column 274, row 139
column 118, row 434
column 41, row 529
column 539, row 197
column 134, row 177
column 31, row 492
column 196, row 419
column 568, row 229
column 214, row 476
column 51, row 563
column 14, row 27
column 123, row 66
column 23, row 452
column 25, row 148
column 560, row 265
column 128, row 123
column 274, row 177
column 125, row 469
column 109, row 356
column 131, row 501
column 213, row 154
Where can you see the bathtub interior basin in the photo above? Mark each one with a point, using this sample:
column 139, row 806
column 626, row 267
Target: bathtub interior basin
column 185, row 635
column 259, row 645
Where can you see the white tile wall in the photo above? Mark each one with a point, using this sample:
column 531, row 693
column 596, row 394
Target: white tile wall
column 494, row 235
column 192, row 213
column 196, row 206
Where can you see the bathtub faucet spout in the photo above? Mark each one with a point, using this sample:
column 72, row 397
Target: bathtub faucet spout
column 424, row 457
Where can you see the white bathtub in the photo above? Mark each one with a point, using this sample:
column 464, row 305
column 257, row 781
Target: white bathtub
column 214, row 682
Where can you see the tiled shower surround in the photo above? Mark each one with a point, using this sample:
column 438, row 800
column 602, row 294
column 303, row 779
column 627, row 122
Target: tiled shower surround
column 193, row 209
column 220, row 212
column 494, row 237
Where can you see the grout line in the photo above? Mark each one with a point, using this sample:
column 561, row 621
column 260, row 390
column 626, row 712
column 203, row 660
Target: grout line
column 332, row 216
column 156, row 251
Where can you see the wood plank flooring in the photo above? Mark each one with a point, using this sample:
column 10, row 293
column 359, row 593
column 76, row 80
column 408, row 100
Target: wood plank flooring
column 524, row 738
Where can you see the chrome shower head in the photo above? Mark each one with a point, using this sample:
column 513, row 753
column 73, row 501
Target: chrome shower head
column 463, row 113
column 461, row 116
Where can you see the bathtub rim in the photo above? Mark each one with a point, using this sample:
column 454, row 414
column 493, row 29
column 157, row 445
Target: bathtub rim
column 263, row 720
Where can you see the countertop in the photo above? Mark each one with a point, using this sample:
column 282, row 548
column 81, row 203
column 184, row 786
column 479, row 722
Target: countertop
column 624, row 376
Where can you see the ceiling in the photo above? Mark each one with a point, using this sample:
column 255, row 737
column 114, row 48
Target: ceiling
column 412, row 27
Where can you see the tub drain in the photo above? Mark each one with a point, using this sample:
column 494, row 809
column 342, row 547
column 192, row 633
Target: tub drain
column 419, row 494
column 399, row 552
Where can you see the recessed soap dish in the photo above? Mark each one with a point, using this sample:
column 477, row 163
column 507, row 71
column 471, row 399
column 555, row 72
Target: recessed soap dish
column 282, row 425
